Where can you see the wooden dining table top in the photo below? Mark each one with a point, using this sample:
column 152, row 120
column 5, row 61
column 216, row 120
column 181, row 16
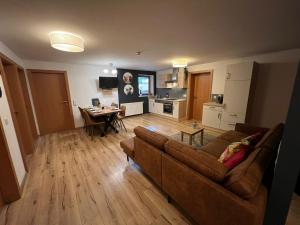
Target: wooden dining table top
column 95, row 112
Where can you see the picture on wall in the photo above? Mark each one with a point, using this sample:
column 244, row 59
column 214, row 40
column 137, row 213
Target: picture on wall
column 128, row 89
column 128, row 78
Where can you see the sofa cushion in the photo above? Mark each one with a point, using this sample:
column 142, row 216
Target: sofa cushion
column 154, row 138
column 202, row 162
column 232, row 136
column 245, row 179
column 216, row 147
column 128, row 147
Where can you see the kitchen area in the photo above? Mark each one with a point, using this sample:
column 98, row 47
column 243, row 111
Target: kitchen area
column 170, row 100
column 176, row 97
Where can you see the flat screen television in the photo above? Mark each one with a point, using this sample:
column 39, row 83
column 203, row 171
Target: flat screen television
column 108, row 82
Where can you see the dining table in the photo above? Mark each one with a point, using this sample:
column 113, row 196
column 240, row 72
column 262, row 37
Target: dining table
column 109, row 114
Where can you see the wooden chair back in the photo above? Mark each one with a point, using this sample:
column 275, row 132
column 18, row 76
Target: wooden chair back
column 114, row 104
column 123, row 108
column 81, row 110
column 87, row 118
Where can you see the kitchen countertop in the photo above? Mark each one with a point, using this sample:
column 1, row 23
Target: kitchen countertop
column 171, row 100
column 214, row 104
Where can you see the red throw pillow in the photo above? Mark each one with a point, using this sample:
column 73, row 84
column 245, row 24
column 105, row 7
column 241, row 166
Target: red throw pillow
column 235, row 159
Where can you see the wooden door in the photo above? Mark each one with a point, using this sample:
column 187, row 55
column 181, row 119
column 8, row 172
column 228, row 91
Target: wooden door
column 9, row 186
column 51, row 99
column 27, row 102
column 19, row 107
column 200, row 93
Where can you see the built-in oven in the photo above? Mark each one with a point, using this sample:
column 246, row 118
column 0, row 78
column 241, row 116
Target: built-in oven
column 168, row 107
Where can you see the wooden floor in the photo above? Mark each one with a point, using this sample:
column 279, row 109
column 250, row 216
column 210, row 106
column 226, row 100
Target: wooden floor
column 76, row 181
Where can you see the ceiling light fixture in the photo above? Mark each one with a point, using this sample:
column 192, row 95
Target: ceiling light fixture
column 180, row 63
column 114, row 71
column 105, row 70
column 66, row 41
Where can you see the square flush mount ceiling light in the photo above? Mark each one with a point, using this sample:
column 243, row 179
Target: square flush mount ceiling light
column 179, row 63
column 66, row 41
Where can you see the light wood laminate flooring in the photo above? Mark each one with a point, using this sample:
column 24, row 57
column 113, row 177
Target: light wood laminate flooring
column 76, row 181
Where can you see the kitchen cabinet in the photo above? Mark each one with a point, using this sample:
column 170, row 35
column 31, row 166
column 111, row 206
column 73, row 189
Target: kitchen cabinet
column 158, row 108
column 179, row 109
column 161, row 80
column 236, row 93
column 181, row 79
column 211, row 116
column 151, row 105
column 240, row 71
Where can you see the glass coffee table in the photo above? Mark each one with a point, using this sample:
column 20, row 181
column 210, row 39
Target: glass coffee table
column 191, row 132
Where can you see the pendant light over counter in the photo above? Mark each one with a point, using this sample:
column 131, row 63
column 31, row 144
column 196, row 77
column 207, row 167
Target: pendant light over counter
column 66, row 41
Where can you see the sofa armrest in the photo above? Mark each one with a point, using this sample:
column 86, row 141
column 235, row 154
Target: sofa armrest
column 203, row 162
column 249, row 129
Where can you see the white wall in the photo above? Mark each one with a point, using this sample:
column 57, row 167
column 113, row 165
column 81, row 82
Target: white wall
column 219, row 67
column 83, row 83
column 10, row 54
column 11, row 137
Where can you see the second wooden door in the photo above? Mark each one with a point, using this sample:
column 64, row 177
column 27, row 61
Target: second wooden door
column 51, row 98
column 201, row 91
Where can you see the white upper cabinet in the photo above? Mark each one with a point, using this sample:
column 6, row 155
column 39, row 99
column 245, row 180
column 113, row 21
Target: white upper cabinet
column 239, row 72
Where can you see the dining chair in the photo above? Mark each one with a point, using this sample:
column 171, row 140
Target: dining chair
column 114, row 105
column 81, row 110
column 121, row 116
column 91, row 124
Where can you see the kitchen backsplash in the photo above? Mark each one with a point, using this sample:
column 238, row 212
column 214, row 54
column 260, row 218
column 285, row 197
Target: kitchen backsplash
column 173, row 92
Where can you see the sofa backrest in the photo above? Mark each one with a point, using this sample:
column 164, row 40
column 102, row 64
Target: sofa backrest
column 151, row 137
column 201, row 161
column 245, row 179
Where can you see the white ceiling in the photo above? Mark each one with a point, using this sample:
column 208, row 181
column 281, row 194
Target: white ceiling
column 199, row 30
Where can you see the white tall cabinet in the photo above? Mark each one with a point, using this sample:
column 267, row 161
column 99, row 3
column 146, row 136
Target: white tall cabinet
column 236, row 94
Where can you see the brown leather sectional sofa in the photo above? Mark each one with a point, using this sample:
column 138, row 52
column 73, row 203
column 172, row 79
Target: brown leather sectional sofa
column 202, row 186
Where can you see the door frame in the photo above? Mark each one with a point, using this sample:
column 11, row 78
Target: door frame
column 63, row 73
column 9, row 186
column 11, row 107
column 190, row 89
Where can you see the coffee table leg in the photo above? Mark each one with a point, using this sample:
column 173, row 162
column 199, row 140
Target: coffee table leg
column 202, row 137
column 181, row 136
column 190, row 139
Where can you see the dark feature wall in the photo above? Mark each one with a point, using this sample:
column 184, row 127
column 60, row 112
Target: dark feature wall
column 123, row 98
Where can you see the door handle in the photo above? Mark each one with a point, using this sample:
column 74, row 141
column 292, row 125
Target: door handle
column 65, row 102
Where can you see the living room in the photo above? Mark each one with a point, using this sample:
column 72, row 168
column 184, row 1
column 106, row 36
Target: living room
column 103, row 106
